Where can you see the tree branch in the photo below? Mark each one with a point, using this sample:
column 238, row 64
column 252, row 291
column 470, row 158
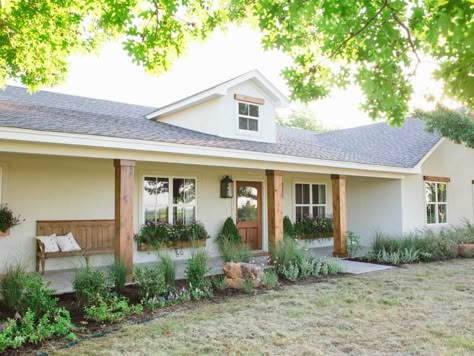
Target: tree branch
column 350, row 37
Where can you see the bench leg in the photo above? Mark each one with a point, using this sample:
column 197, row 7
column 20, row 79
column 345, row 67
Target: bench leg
column 37, row 266
column 43, row 264
column 87, row 260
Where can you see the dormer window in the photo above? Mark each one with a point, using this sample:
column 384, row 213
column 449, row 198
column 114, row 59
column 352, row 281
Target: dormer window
column 248, row 117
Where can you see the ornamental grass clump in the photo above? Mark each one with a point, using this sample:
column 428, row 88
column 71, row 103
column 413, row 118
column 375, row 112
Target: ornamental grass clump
column 12, row 284
column 195, row 272
column 118, row 274
column 234, row 251
column 168, row 268
column 422, row 245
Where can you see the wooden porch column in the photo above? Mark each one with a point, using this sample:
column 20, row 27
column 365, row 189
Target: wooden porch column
column 124, row 178
column 339, row 214
column 275, row 206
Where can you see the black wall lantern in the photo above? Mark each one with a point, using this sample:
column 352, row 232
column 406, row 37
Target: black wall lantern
column 227, row 187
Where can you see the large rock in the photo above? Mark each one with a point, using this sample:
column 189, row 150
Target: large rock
column 236, row 274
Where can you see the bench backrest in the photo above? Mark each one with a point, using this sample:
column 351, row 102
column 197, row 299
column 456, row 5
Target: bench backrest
column 89, row 234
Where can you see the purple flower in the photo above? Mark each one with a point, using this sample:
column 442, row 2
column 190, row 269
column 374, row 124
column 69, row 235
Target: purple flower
column 2, row 327
column 17, row 315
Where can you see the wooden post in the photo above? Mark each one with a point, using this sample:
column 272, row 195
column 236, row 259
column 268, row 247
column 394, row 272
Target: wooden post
column 339, row 214
column 124, row 178
column 275, row 206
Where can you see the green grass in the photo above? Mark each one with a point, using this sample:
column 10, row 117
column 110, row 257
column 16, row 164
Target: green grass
column 387, row 312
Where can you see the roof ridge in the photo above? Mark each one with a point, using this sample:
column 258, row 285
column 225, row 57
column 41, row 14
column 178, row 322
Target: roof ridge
column 49, row 92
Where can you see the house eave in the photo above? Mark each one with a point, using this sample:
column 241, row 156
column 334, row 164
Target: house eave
column 132, row 145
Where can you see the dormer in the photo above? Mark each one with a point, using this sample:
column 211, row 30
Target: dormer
column 240, row 108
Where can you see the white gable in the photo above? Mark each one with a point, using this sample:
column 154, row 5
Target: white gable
column 215, row 111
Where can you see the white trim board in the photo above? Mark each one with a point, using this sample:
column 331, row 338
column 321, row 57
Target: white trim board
column 101, row 146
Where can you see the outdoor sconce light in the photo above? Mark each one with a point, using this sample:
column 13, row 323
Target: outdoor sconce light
column 227, row 187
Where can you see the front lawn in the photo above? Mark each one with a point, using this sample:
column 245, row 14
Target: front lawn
column 418, row 309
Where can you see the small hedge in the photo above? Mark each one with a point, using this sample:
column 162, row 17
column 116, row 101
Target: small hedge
column 161, row 233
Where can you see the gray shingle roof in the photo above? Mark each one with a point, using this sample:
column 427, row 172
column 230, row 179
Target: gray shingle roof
column 377, row 144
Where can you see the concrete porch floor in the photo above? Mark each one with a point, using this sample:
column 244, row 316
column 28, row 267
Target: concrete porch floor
column 61, row 280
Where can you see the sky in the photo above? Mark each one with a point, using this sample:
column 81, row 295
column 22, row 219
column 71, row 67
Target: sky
column 112, row 76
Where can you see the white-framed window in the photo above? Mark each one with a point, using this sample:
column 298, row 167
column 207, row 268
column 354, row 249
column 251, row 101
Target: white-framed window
column 436, row 202
column 248, row 116
column 169, row 199
column 310, row 200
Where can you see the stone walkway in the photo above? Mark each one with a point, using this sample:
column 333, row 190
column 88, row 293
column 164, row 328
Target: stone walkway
column 61, row 280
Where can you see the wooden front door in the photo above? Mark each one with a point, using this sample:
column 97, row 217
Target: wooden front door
column 249, row 213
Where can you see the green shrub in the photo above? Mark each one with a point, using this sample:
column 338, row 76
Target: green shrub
column 291, row 272
column 334, row 267
column 12, row 284
column 247, row 285
column 353, row 243
column 111, row 309
column 118, row 274
column 234, row 251
column 89, row 285
column 150, row 282
column 37, row 297
column 230, row 230
column 288, row 228
column 271, row 279
column 30, row 328
column 218, row 282
column 168, row 268
column 287, row 252
column 196, row 270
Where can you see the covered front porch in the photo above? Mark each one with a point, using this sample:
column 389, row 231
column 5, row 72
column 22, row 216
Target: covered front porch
column 44, row 187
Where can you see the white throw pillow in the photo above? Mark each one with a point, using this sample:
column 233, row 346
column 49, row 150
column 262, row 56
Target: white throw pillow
column 67, row 243
column 49, row 243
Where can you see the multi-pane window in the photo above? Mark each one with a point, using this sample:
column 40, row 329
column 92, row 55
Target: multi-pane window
column 248, row 117
column 310, row 200
column 436, row 202
column 171, row 200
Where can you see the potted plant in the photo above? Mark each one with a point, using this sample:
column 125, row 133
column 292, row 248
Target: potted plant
column 8, row 220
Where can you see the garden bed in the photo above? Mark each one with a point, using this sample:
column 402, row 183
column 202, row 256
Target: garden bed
column 89, row 328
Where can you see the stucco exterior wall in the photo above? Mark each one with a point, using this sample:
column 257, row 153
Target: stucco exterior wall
column 219, row 116
column 57, row 188
column 53, row 188
column 449, row 160
column 373, row 204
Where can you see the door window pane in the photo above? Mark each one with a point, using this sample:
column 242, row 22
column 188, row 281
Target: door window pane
column 247, row 204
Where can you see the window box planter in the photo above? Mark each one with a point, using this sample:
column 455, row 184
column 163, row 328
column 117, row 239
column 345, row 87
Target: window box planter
column 170, row 245
column 6, row 233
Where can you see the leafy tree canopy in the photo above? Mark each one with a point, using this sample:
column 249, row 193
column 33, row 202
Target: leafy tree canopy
column 373, row 43
column 301, row 119
column 454, row 125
